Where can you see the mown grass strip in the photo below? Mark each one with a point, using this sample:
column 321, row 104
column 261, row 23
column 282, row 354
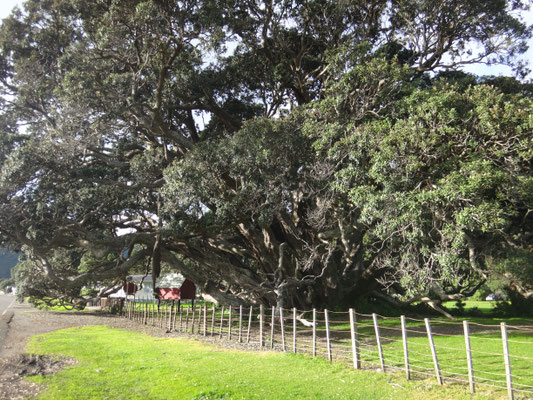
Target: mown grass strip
column 119, row 364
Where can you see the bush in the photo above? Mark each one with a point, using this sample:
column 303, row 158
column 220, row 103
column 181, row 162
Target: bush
column 517, row 306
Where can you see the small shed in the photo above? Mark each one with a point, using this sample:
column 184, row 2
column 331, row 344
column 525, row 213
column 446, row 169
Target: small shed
column 168, row 293
column 172, row 286
column 187, row 288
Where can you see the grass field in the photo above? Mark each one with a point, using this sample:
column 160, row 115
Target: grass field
column 448, row 336
column 118, row 364
column 484, row 306
column 486, row 350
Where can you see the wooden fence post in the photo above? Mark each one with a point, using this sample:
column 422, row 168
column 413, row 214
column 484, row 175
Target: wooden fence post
column 261, row 320
column 174, row 319
column 199, row 320
column 433, row 351
column 355, row 338
column 328, row 341
column 205, row 319
column 249, row 325
column 181, row 317
column 240, row 324
column 193, row 318
column 164, row 317
column 294, row 330
column 282, row 327
column 187, row 320
column 229, row 323
column 221, row 322
column 378, row 342
column 507, row 360
column 469, row 358
column 405, row 348
column 272, row 327
column 213, row 320
column 314, row 332
column 170, row 316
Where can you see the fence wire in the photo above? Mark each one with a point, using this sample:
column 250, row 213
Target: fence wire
column 501, row 355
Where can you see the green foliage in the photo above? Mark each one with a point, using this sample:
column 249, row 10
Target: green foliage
column 6, row 284
column 51, row 304
column 517, row 306
column 449, row 169
column 282, row 154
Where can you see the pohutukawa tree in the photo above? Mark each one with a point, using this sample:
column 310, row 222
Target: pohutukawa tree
column 293, row 153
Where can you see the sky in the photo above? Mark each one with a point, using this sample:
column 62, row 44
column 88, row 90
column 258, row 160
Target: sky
column 7, row 5
column 479, row 69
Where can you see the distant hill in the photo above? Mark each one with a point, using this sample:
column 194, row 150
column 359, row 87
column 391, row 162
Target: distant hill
column 7, row 261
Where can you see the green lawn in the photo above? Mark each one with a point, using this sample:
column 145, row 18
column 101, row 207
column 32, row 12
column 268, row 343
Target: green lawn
column 486, row 345
column 486, row 307
column 118, row 364
column 448, row 336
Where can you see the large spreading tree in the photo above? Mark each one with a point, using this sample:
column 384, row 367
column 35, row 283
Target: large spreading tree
column 284, row 152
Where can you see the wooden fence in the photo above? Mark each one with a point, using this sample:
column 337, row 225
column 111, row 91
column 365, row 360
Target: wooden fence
column 497, row 356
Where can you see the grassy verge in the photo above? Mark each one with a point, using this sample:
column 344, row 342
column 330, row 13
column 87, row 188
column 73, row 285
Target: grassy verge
column 120, row 364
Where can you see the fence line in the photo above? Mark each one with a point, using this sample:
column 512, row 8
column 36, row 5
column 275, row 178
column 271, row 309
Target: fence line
column 467, row 352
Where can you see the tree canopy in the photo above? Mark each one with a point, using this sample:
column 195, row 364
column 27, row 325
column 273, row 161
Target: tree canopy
column 283, row 152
